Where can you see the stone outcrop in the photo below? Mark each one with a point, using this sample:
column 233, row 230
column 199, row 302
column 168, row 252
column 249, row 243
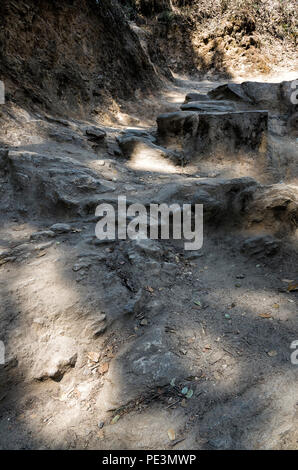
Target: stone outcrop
column 271, row 96
column 226, row 133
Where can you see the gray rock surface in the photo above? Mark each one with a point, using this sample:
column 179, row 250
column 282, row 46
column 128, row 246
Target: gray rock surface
column 209, row 106
column 44, row 234
column 95, row 133
column 136, row 370
column 272, row 96
column 60, row 228
column 230, row 91
column 196, row 97
column 54, row 358
column 215, row 133
column 52, row 183
column 260, row 246
column 134, row 146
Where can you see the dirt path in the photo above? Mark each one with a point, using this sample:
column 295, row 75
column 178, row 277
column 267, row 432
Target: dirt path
column 131, row 345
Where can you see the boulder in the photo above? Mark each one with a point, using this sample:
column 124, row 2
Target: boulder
column 265, row 95
column 204, row 134
column 230, row 91
column 231, row 133
column 271, row 96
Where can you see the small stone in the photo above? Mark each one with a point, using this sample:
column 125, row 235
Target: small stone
column 78, row 266
column 272, row 353
column 171, row 434
column 93, row 356
column 60, row 228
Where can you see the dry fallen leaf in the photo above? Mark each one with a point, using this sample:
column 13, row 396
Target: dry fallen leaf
column 171, row 434
column 103, row 369
column 265, row 315
column 93, row 356
column 115, row 419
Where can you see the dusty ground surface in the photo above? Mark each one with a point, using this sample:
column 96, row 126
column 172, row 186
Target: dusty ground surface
column 131, row 345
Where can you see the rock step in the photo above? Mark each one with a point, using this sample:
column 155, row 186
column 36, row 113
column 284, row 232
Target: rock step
column 223, row 133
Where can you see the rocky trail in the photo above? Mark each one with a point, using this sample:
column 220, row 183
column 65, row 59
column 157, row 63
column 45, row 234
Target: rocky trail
column 140, row 344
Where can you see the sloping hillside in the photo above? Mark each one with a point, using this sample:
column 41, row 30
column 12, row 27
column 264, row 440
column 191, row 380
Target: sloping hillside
column 70, row 56
column 222, row 37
